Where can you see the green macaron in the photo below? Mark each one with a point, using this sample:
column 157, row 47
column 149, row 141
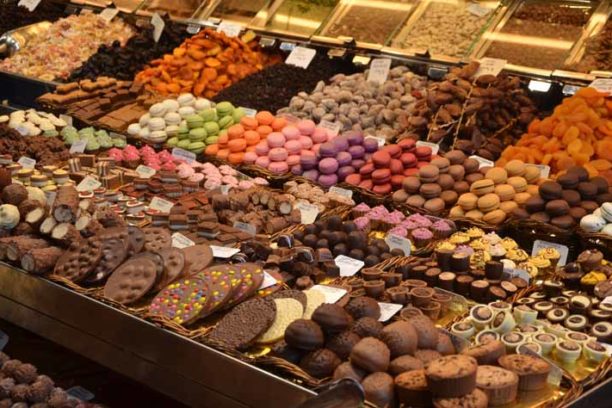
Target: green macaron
column 226, row 122
column 183, row 144
column 172, row 142
column 194, row 121
column 238, row 114
column 198, row 134
column 224, row 108
column 211, row 140
column 212, row 128
column 196, row 147
column 208, row 115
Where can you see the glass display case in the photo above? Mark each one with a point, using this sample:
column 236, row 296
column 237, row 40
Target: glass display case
column 181, row 9
column 368, row 21
column 445, row 27
column 234, row 11
column 538, row 34
column 594, row 52
column 297, row 17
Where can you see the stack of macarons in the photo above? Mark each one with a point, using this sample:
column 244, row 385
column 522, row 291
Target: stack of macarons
column 96, row 139
column 238, row 145
column 498, row 193
column 132, row 157
column 34, row 123
column 599, row 221
column 387, row 168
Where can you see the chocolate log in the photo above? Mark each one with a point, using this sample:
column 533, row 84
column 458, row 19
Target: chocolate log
column 4, row 243
column 22, row 244
column 28, row 205
column 66, row 204
column 23, row 229
column 65, row 234
column 41, row 260
column 88, row 226
column 36, row 216
column 47, row 225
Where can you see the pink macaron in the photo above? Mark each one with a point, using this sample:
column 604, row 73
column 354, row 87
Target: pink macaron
column 263, row 161
column 319, row 135
column 278, row 154
column 262, row 148
column 279, row 167
column 293, row 159
column 291, row 132
column 276, row 139
column 250, row 157
column 306, row 142
column 293, row 146
column 306, row 127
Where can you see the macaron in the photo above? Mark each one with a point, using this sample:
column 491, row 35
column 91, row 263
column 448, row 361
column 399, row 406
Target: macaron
column 497, row 174
column 515, row 168
column 186, row 100
column 194, row 121
column 157, row 110
column 505, row 192
column 482, row 187
column 156, row 124
column 518, row 183
column 488, row 202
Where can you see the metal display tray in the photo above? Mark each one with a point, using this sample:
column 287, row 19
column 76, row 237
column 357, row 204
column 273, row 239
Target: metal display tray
column 185, row 370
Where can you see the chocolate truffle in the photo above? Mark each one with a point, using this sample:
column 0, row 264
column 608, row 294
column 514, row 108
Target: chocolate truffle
column 304, row 335
column 379, row 389
column 343, row 343
column 363, row 306
column 426, row 332
column 348, row 370
column 400, row 337
column 367, row 327
column 332, row 318
column 320, row 363
column 371, row 354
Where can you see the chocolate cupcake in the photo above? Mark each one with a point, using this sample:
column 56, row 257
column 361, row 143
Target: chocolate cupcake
column 500, row 385
column 487, row 353
column 532, row 371
column 412, row 389
column 451, row 376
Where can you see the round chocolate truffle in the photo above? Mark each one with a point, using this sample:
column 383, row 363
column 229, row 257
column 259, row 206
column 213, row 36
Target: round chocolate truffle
column 304, row 335
column 371, row 354
column 320, row 363
column 348, row 370
column 332, row 318
column 343, row 343
column 363, row 306
column 426, row 332
column 367, row 327
column 400, row 337
column 378, row 389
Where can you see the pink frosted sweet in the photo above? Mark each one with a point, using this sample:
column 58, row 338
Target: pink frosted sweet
column 184, row 170
column 169, row 166
column 306, row 142
column 293, row 146
column 293, row 159
column 114, row 152
column 197, row 177
column 227, row 170
column 262, row 148
column 245, row 184
column 278, row 154
column 319, row 135
column 231, row 180
column 276, row 139
column 260, row 181
column 212, row 184
column 250, row 157
column 306, row 127
column 316, row 147
column 291, row 132
column 278, row 167
column 263, row 161
column 154, row 166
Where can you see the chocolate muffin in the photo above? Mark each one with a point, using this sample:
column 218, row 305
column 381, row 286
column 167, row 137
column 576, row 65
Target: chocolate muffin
column 451, row 376
column 487, row 353
column 532, row 371
column 412, row 390
column 475, row 399
column 500, row 385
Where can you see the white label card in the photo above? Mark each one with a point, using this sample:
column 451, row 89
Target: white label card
column 395, row 241
column 109, row 13
column 161, row 205
column 249, row 112
column 342, row 191
column 433, row 146
column 78, row 146
column 381, row 141
column 182, row 154
column 331, row 127
column 243, row 226
column 88, row 184
column 482, row 161
column 229, row 29
column 490, row 66
column 145, row 171
column 158, row 26
column 563, row 250
column 268, row 281
column 602, row 85
column 478, row 10
column 29, row 4
column 308, row 212
column 301, row 57
column 387, row 310
column 223, row 252
column 379, row 70
column 193, row 28
column 518, row 273
column 332, row 294
column 67, row 119
column 348, row 266
column 181, row 241
column 27, row 162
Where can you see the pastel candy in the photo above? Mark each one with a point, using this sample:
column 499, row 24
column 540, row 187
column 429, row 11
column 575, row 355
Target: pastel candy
column 370, row 145
column 345, row 171
column 592, row 223
column 297, row 170
column 344, row 158
column 306, row 127
column 354, row 137
column 328, row 165
column 306, row 142
column 319, row 135
column 328, row 180
column 291, row 132
column 293, row 146
column 341, row 143
column 278, row 167
column 263, row 161
column 292, row 160
column 327, row 150
column 264, row 130
column 315, row 148
column 276, row 139
column 262, row 148
column 357, row 152
column 250, row 157
column 278, row 154
column 311, row 174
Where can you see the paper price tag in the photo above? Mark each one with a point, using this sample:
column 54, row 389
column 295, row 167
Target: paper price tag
column 243, row 226
column 331, row 127
column 223, row 252
column 562, row 249
column 381, row 142
column 308, row 212
column 109, row 13
column 27, row 162
column 88, row 184
column 348, row 266
column 433, row 146
column 78, row 146
column 387, row 310
column 229, row 29
column 478, row 10
column 29, row 4
column 602, row 85
column 490, row 66
column 249, row 112
column 67, row 119
column 80, row 393
column 379, row 70
column 268, row 281
column 50, row 195
column 145, row 171
column 332, row 294
column 342, row 191
column 395, row 241
column 158, row 26
column 225, row 188
column 544, row 169
column 161, row 205
column 287, row 46
column 482, row 161
column 193, row 28
column 301, row 57
column 182, row 154
column 181, row 241
column 518, row 273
